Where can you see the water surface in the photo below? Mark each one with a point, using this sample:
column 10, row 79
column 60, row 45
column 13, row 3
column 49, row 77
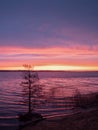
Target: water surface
column 62, row 85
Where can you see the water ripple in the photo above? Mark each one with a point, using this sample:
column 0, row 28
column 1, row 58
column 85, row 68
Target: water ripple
column 11, row 94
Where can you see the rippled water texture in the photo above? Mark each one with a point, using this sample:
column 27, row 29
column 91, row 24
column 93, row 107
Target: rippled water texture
column 62, row 84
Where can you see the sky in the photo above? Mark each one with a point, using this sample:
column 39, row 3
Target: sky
column 49, row 34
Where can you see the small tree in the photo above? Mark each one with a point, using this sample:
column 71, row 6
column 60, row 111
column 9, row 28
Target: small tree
column 31, row 88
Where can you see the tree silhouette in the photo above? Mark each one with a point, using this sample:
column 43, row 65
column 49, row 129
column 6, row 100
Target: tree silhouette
column 32, row 90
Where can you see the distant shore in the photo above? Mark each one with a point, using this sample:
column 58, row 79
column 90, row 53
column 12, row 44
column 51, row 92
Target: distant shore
column 68, row 71
column 84, row 120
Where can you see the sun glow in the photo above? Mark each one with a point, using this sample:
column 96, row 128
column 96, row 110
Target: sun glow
column 59, row 67
column 54, row 58
column 55, row 68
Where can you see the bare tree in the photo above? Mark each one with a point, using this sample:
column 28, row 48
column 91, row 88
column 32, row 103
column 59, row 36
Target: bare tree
column 31, row 88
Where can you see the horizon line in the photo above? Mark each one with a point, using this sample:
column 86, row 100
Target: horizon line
column 55, row 70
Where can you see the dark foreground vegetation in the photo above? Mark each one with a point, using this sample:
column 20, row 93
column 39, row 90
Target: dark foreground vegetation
column 86, row 101
column 87, row 120
column 84, row 117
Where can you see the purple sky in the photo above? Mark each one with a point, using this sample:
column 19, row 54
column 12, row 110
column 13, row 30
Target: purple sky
column 38, row 24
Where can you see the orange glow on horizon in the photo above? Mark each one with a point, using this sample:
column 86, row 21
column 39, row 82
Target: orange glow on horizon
column 56, row 68
column 76, row 58
column 72, row 68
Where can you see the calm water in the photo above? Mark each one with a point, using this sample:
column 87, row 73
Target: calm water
column 62, row 84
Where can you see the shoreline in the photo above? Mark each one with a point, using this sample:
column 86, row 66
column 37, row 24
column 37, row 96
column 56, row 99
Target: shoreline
column 82, row 120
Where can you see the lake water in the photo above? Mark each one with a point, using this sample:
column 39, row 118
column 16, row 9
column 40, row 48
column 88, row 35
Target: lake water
column 62, row 84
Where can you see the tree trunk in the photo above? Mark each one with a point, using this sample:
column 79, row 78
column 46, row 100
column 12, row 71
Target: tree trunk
column 29, row 109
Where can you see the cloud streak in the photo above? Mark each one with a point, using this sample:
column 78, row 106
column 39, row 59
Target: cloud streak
column 54, row 32
column 80, row 55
